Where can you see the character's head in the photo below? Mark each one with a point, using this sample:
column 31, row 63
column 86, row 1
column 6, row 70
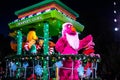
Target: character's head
column 70, row 33
column 31, row 35
column 68, row 28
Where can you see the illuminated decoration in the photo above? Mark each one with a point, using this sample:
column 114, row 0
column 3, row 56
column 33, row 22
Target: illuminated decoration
column 19, row 42
column 46, row 38
column 13, row 66
column 115, row 20
column 45, row 5
column 115, row 11
column 114, row 3
column 47, row 18
column 45, row 11
column 46, row 49
column 81, row 71
column 18, row 73
column 54, row 57
column 115, row 14
column 59, row 64
column 25, row 64
column 38, row 70
column 116, row 29
column 88, row 72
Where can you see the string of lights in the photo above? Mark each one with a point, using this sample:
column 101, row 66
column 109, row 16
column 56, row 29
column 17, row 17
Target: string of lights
column 115, row 11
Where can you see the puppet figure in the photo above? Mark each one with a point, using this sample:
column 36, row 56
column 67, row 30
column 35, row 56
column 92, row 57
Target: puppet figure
column 30, row 45
column 69, row 44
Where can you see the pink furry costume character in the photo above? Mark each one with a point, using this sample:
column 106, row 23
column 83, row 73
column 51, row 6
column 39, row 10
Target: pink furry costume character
column 69, row 44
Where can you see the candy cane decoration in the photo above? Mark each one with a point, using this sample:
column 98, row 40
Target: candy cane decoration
column 51, row 50
column 26, row 46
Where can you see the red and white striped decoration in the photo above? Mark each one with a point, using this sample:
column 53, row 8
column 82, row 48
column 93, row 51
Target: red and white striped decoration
column 26, row 46
column 51, row 50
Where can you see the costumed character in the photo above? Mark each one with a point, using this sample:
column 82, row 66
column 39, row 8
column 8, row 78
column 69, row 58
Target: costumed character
column 90, row 67
column 30, row 45
column 69, row 44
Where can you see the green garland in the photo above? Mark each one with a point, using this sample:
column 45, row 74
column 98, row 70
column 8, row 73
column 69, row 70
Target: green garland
column 54, row 57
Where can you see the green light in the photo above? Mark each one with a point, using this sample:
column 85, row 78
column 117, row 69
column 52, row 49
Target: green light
column 75, row 58
column 53, row 60
column 58, row 57
column 42, row 58
column 30, row 57
column 17, row 63
column 45, row 62
column 19, row 42
column 46, row 49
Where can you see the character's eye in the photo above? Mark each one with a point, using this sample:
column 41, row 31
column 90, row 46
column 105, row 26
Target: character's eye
column 69, row 25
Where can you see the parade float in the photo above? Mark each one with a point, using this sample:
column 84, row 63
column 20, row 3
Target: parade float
column 36, row 56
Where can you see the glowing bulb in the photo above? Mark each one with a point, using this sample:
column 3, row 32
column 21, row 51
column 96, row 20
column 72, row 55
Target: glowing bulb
column 114, row 3
column 115, row 11
column 116, row 29
column 115, row 20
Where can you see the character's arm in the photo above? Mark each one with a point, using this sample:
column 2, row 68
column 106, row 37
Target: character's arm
column 84, row 42
column 60, row 45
